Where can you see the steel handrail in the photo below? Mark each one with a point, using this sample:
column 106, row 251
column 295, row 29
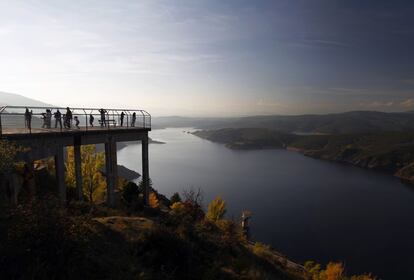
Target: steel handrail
column 114, row 113
column 73, row 108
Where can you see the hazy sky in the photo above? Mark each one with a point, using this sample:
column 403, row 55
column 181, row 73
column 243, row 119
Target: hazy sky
column 211, row 57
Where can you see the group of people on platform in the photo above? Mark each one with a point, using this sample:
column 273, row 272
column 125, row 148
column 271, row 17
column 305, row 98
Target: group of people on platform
column 68, row 117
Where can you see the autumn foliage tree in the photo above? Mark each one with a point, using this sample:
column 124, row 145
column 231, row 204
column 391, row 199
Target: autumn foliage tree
column 333, row 271
column 153, row 200
column 93, row 181
column 216, row 209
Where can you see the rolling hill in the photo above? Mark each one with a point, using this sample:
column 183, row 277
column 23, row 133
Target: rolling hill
column 340, row 123
column 19, row 100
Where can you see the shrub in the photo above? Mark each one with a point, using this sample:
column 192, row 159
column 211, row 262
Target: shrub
column 175, row 198
column 261, row 249
column 231, row 233
column 178, row 208
column 193, row 197
column 42, row 242
column 313, row 268
column 130, row 193
column 181, row 213
column 216, row 209
column 333, row 271
column 192, row 204
column 153, row 200
column 8, row 152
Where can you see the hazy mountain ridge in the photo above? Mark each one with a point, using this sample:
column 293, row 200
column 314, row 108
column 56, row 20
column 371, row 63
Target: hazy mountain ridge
column 340, row 123
column 20, row 100
column 13, row 99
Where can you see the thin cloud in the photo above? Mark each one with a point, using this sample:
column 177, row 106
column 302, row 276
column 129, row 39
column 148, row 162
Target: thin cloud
column 379, row 104
column 263, row 103
column 409, row 103
column 324, row 42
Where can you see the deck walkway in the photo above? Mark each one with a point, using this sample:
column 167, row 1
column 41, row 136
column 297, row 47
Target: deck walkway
column 13, row 133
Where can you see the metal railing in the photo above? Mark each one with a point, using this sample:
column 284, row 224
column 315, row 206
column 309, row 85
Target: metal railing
column 32, row 119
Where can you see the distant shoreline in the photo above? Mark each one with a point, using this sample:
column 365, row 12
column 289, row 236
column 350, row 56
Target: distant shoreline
column 378, row 159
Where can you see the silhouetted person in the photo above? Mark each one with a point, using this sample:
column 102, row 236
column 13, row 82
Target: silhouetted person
column 48, row 118
column 44, row 125
column 28, row 118
column 68, row 118
column 102, row 112
column 58, row 119
column 122, row 118
column 245, row 224
column 77, row 122
column 91, row 119
column 134, row 118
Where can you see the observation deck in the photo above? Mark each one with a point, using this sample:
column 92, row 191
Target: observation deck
column 47, row 131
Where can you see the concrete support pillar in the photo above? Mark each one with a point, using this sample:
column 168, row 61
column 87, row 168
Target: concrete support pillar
column 60, row 172
column 78, row 172
column 111, row 171
column 145, row 170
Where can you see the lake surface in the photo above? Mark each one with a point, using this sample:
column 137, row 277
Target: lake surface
column 307, row 209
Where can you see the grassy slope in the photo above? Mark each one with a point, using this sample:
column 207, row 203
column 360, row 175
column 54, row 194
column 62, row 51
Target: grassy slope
column 45, row 241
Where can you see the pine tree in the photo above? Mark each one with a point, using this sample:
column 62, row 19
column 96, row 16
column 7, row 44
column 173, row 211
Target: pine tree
column 175, row 198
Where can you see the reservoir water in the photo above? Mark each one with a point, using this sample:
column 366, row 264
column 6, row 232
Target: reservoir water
column 307, row 209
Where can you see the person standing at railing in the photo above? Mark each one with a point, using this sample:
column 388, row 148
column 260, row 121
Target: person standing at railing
column 77, row 122
column 102, row 112
column 68, row 118
column 58, row 119
column 44, row 125
column 122, row 118
column 134, row 118
column 28, row 118
column 91, row 119
column 48, row 118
